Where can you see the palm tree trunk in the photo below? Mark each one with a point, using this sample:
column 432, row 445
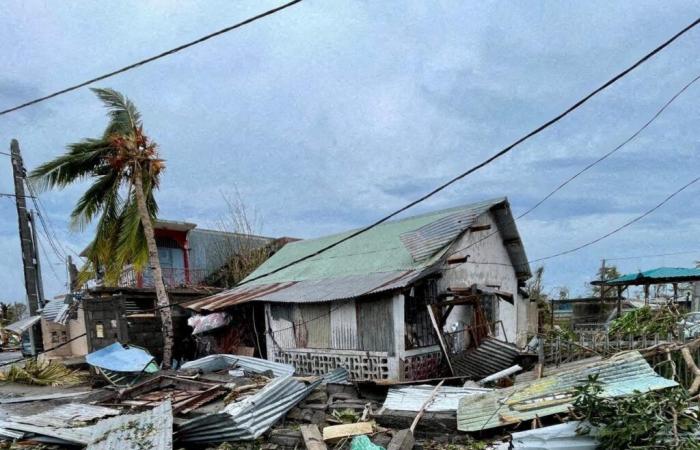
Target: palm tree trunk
column 162, row 300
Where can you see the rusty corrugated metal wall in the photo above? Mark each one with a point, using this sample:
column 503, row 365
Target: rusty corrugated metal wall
column 375, row 330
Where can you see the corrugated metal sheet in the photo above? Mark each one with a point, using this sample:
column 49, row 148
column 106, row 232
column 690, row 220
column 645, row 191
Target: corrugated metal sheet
column 249, row 418
column 490, row 357
column 213, row 363
column 151, row 429
column 34, row 398
column 56, row 311
column 622, row 374
column 66, row 415
column 23, row 325
column 661, row 273
column 412, row 398
column 339, row 375
column 310, row 291
column 344, row 326
column 209, row 250
column 556, row 437
column 376, row 325
column 429, row 239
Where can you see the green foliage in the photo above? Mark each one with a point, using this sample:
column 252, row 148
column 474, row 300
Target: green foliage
column 110, row 162
column 645, row 321
column 653, row 420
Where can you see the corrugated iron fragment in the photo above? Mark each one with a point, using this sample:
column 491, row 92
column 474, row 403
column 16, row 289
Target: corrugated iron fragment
column 412, row 398
column 213, row 363
column 23, row 325
column 620, row 375
column 66, row 415
column 337, row 376
column 308, row 291
column 557, row 437
column 490, row 357
column 151, row 429
column 251, row 417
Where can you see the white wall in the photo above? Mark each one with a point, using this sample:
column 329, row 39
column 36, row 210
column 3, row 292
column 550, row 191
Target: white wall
column 488, row 264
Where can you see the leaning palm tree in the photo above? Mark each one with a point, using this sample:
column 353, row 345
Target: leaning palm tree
column 124, row 168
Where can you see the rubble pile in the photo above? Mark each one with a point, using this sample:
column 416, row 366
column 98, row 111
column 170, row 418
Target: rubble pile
column 228, row 401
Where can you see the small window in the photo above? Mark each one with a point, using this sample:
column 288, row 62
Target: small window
column 54, row 337
column 99, row 330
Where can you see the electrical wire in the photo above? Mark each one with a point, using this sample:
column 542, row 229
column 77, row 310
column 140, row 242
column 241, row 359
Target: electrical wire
column 150, row 59
column 621, row 227
column 652, row 256
column 589, row 166
column 489, row 160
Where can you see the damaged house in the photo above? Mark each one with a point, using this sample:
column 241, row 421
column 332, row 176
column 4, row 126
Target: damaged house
column 191, row 259
column 372, row 304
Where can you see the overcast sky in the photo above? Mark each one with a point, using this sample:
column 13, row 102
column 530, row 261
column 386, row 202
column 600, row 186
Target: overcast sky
column 329, row 115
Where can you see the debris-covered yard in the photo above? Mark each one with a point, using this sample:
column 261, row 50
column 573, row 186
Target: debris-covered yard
column 232, row 401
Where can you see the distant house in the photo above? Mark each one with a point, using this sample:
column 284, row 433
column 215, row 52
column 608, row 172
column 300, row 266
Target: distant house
column 363, row 304
column 190, row 258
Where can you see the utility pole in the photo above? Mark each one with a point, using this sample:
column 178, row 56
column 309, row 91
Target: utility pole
column 602, row 279
column 30, row 261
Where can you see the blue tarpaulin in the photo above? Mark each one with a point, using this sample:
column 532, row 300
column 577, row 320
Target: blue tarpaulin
column 120, row 358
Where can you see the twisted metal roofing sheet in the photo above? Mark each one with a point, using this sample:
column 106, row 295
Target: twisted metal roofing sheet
column 428, row 239
column 251, row 417
column 56, row 311
column 620, row 375
column 22, row 325
column 490, row 357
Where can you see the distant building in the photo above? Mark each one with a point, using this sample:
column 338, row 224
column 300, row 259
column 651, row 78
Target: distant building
column 364, row 304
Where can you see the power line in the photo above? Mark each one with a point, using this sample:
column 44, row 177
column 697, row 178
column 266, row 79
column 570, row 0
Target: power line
column 652, row 256
column 6, row 154
column 488, row 160
column 14, row 195
column 621, row 227
column 473, row 169
column 150, row 59
column 589, row 166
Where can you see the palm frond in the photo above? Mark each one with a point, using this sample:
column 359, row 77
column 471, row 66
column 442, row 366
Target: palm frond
column 124, row 117
column 103, row 194
column 81, row 161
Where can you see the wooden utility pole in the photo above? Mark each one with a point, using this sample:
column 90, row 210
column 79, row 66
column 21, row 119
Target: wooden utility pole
column 602, row 279
column 30, row 261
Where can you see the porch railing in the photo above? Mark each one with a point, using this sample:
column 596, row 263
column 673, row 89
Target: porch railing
column 172, row 278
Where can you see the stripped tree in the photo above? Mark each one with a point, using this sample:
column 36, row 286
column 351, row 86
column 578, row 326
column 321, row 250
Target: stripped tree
column 125, row 169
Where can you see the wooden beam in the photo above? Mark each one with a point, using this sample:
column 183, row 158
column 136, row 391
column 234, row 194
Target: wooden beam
column 312, row 437
column 441, row 337
column 480, row 228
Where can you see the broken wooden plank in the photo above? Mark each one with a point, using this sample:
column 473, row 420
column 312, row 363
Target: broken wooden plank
column 312, row 437
column 402, row 440
column 334, row 433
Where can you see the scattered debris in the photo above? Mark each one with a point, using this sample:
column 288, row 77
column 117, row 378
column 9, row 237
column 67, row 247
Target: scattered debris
column 44, row 397
column 184, row 395
column 214, row 363
column 41, row 373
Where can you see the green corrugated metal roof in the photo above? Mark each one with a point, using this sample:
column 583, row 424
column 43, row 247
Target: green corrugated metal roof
column 661, row 273
column 377, row 250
